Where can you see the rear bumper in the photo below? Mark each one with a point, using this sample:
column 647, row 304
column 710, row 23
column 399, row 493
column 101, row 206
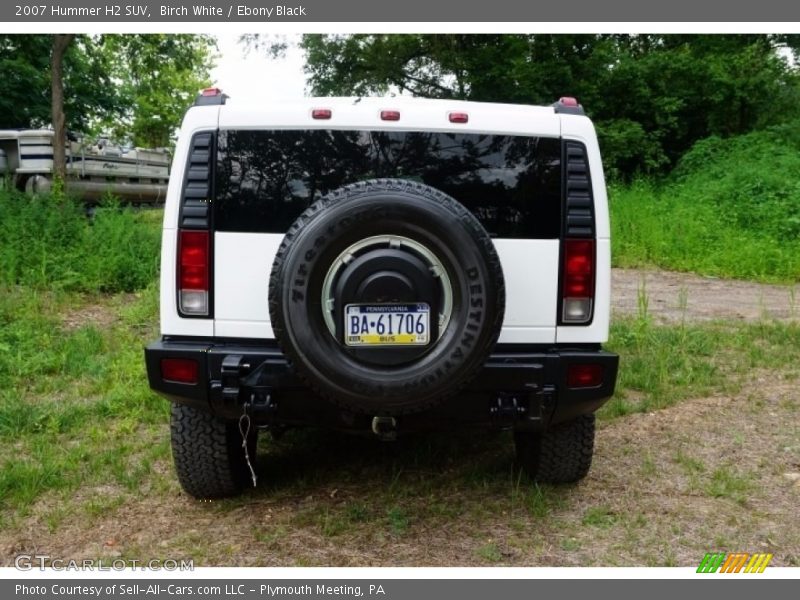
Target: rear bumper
column 519, row 387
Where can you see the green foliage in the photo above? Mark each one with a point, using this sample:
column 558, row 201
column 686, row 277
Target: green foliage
column 600, row 516
column 725, row 482
column 48, row 242
column 136, row 86
column 159, row 76
column 90, row 93
column 490, row 552
column 650, row 96
column 24, row 70
column 661, row 364
column 731, row 209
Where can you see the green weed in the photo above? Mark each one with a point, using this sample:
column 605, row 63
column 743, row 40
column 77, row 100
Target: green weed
column 398, row 520
column 490, row 552
column 731, row 209
column 690, row 464
column 663, row 364
column 600, row 516
column 727, row 483
column 48, row 242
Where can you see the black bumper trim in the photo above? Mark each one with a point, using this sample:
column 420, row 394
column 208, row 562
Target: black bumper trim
column 535, row 377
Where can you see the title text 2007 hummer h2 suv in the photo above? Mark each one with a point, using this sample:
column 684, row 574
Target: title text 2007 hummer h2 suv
column 383, row 265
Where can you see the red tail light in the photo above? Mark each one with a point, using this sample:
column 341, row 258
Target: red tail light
column 584, row 376
column 321, row 113
column 458, row 117
column 179, row 370
column 577, row 292
column 193, row 268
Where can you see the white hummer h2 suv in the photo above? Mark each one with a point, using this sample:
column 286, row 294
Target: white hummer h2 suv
column 382, row 266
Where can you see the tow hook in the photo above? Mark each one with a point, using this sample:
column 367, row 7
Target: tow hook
column 385, row 428
column 262, row 404
column 506, row 410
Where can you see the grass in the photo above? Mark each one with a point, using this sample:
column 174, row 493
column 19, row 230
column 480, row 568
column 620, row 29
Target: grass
column 690, row 464
column 726, row 482
column 398, row 520
column 600, row 516
column 47, row 243
column 76, row 412
column 490, row 553
column 731, row 209
column 662, row 365
column 81, row 434
column 80, row 445
column 75, row 409
column 534, row 500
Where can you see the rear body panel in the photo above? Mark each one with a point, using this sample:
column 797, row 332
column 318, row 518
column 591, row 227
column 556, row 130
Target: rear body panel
column 242, row 261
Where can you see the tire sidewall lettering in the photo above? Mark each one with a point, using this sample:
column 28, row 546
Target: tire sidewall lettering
column 476, row 278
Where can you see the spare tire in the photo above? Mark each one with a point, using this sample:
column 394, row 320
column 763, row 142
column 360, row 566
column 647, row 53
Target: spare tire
column 387, row 243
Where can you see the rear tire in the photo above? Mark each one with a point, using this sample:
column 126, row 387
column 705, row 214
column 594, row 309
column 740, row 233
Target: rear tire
column 208, row 453
column 562, row 454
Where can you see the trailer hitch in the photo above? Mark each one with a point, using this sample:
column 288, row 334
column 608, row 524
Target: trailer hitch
column 506, row 410
column 252, row 390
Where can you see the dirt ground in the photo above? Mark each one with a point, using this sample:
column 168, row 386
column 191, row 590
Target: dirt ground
column 675, row 296
column 671, row 297
column 708, row 474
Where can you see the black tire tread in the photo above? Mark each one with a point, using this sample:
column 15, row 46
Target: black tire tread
column 208, row 454
column 365, row 187
column 562, row 454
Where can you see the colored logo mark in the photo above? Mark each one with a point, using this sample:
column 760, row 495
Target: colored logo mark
column 734, row 563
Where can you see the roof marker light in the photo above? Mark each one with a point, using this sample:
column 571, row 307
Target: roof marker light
column 458, row 117
column 568, row 101
column 321, row 113
column 212, row 91
column 390, row 115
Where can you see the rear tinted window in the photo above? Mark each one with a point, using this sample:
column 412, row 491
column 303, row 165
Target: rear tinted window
column 265, row 179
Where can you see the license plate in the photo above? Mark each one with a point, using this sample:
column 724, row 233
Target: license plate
column 387, row 324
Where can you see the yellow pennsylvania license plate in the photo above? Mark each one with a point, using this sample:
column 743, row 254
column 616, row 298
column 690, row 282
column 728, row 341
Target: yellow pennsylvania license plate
column 387, row 324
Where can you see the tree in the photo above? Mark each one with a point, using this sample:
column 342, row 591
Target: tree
column 25, row 63
column 25, row 73
column 60, row 44
column 159, row 76
column 650, row 96
column 135, row 86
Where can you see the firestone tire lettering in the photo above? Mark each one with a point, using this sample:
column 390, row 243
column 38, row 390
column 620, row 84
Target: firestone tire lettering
column 381, row 207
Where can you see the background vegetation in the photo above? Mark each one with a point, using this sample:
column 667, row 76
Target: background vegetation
column 698, row 132
column 650, row 96
column 731, row 208
column 48, row 243
column 135, row 87
column 79, row 300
